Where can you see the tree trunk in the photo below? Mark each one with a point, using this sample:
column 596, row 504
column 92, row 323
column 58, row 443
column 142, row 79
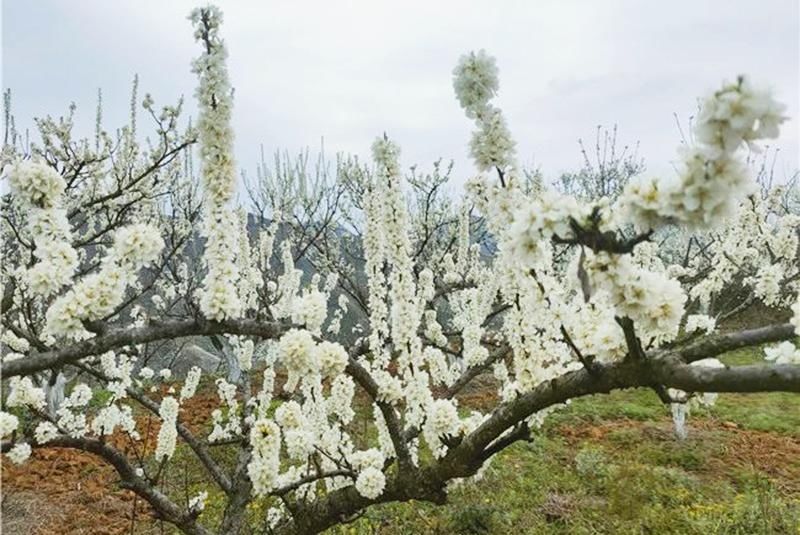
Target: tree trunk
column 235, row 517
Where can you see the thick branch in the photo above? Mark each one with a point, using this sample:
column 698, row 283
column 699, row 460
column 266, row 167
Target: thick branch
column 117, row 338
column 668, row 370
column 168, row 510
column 713, row 346
column 365, row 380
column 755, row 378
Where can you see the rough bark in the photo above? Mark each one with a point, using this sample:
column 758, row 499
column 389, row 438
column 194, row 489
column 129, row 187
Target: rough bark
column 234, row 518
column 121, row 337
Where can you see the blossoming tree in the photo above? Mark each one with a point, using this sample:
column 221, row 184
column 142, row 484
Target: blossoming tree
column 102, row 270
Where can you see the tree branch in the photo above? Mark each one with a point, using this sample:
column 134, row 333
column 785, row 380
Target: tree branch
column 165, row 507
column 121, row 337
column 713, row 346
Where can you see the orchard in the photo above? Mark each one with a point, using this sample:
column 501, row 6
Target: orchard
column 352, row 306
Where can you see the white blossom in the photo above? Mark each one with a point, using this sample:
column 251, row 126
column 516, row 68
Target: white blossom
column 106, row 420
column 442, row 421
column 297, row 350
column 310, row 310
column 218, row 297
column 264, row 465
column 45, row 432
column 8, row 424
column 782, row 353
column 136, row 245
column 98, row 294
column 190, row 383
column 22, row 393
column 146, row 373
column 19, row 453
column 37, row 183
column 711, row 180
column 700, row 322
column 475, row 81
column 198, row 502
column 370, row 482
column 332, row 359
column 167, row 434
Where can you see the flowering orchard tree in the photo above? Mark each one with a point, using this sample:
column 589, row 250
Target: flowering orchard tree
column 104, row 273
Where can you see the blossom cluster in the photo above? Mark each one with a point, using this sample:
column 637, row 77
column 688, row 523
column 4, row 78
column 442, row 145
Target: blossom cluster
column 23, row 393
column 371, row 479
column 700, row 322
column 19, row 453
column 45, row 432
column 71, row 414
column 652, row 300
column 118, row 368
column 304, row 358
column 198, row 502
column 593, row 328
column 225, row 425
column 536, row 222
column 712, row 180
column 442, row 421
column 310, row 310
column 97, row 295
column 112, row 416
column 758, row 246
column 8, row 424
column 374, row 244
column 783, row 353
column 37, row 184
column 218, row 296
column 243, row 350
column 475, row 82
column 136, row 245
column 168, row 433
column 263, row 468
column 190, row 383
column 388, row 203
column 39, row 188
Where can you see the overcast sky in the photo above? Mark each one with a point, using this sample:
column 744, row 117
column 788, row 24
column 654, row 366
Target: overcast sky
column 348, row 71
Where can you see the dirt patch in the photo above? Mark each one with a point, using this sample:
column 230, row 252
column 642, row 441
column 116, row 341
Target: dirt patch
column 575, row 434
column 64, row 491
column 59, row 491
column 776, row 456
column 26, row 512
